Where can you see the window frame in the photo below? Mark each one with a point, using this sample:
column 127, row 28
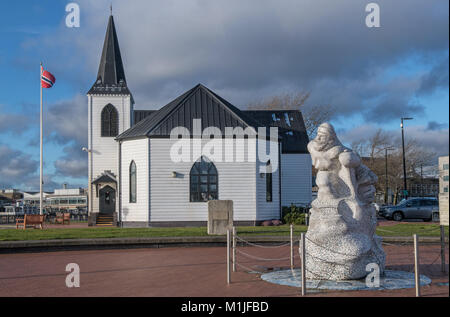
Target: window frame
column 196, row 171
column 132, row 200
column 109, row 121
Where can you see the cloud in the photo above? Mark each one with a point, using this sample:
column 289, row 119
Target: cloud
column 15, row 167
column 433, row 126
column 436, row 78
column 15, row 123
column 434, row 141
column 74, row 163
column 246, row 51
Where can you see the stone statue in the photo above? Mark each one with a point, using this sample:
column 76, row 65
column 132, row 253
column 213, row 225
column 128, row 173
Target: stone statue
column 341, row 238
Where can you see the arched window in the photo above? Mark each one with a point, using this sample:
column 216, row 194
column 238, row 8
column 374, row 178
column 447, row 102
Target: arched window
column 132, row 182
column 204, row 181
column 110, row 121
column 268, row 182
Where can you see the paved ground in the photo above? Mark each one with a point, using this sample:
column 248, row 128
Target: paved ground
column 180, row 272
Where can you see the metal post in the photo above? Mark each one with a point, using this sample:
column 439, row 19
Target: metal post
column 234, row 249
column 292, row 245
column 303, row 253
column 41, row 173
column 416, row 265
column 228, row 257
column 442, row 248
column 404, row 162
column 386, row 180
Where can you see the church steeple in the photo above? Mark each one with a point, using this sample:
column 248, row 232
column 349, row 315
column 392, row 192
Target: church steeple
column 111, row 74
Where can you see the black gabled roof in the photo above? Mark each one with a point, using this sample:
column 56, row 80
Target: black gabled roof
column 196, row 103
column 111, row 75
column 291, row 128
column 140, row 115
column 105, row 177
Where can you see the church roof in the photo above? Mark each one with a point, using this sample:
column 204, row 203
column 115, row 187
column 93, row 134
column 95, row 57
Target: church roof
column 202, row 103
column 105, row 177
column 291, row 128
column 196, row 103
column 111, row 75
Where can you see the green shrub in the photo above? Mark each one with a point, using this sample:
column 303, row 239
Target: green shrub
column 294, row 215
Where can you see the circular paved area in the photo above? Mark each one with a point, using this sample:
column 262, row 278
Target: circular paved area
column 199, row 271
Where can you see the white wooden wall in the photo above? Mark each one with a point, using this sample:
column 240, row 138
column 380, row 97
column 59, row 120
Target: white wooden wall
column 169, row 197
column 296, row 179
column 105, row 149
column 137, row 151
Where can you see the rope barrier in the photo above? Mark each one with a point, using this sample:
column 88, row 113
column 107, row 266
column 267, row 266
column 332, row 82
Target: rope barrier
column 262, row 246
column 259, row 258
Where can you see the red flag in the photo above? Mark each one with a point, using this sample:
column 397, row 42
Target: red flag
column 47, row 79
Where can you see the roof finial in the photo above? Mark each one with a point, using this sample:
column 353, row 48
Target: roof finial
column 110, row 8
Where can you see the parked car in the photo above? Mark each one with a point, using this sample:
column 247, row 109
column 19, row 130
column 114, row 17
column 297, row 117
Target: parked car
column 413, row 208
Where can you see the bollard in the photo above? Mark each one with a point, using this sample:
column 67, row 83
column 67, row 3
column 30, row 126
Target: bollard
column 292, row 245
column 443, row 269
column 303, row 254
column 228, row 257
column 234, row 249
column 416, row 264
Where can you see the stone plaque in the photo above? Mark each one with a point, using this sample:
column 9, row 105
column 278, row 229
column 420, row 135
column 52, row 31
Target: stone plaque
column 220, row 216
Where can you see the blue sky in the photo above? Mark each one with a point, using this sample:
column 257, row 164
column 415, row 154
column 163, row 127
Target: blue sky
column 371, row 77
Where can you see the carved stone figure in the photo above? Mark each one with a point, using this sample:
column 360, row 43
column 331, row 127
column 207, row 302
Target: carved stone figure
column 341, row 239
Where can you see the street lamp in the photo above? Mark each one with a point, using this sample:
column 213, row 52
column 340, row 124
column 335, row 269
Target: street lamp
column 405, row 190
column 89, row 152
column 386, row 149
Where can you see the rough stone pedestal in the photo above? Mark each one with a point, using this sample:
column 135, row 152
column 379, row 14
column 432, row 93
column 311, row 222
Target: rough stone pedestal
column 220, row 216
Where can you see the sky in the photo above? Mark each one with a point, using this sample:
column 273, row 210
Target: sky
column 244, row 50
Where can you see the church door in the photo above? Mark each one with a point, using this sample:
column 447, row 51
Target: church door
column 107, row 200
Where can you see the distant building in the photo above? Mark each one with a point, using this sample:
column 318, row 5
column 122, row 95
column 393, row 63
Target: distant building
column 426, row 187
column 12, row 194
column 67, row 199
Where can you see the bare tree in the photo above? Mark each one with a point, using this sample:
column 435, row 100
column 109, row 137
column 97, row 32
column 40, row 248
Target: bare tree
column 373, row 154
column 313, row 116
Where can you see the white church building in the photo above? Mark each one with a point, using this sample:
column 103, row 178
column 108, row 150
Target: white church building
column 137, row 178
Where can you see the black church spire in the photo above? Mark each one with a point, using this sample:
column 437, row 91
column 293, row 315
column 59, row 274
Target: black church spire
column 111, row 75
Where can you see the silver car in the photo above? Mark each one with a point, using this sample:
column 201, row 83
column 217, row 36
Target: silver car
column 413, row 208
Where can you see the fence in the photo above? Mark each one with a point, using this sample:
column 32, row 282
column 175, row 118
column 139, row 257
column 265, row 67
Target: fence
column 11, row 217
column 286, row 255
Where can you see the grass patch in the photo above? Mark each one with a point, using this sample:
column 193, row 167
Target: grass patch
column 426, row 230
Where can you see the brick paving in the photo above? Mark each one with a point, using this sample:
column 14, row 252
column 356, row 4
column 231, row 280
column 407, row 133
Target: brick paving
column 182, row 271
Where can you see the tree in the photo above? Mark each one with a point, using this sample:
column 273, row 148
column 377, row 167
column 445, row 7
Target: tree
column 313, row 116
column 372, row 151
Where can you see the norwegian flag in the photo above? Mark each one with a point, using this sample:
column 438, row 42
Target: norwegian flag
column 47, row 79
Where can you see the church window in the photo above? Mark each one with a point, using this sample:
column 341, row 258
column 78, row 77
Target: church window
column 109, row 121
column 203, row 181
column 132, row 182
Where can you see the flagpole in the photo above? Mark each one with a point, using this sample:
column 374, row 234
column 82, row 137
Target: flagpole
column 41, row 148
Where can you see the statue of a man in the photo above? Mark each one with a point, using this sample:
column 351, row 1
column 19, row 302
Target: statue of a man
column 341, row 237
column 340, row 172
